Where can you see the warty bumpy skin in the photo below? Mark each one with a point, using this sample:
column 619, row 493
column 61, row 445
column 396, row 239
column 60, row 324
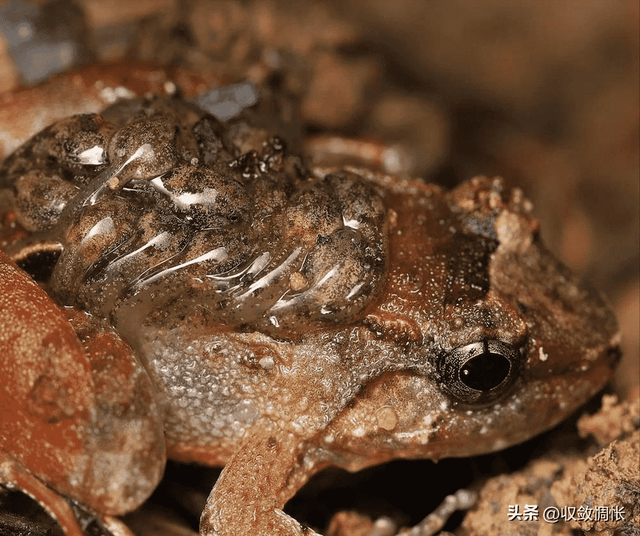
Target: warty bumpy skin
column 167, row 201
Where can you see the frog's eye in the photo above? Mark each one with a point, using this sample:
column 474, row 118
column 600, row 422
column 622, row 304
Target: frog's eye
column 480, row 372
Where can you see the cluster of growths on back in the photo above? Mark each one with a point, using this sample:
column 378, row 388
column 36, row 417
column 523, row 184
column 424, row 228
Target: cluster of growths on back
column 155, row 200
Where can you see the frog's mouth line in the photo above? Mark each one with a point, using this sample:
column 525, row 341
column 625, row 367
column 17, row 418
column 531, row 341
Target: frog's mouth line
column 442, row 427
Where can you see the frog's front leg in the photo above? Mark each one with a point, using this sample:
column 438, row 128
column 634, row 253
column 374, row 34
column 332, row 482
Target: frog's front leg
column 255, row 485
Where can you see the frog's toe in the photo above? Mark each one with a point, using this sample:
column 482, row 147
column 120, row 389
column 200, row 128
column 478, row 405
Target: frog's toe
column 272, row 523
column 13, row 474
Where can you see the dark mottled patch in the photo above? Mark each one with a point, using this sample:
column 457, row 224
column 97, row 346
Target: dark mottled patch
column 468, row 258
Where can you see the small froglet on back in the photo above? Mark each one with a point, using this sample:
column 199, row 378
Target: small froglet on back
column 281, row 319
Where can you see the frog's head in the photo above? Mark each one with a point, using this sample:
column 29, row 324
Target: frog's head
column 509, row 341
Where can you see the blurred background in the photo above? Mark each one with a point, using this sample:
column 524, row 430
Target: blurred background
column 544, row 93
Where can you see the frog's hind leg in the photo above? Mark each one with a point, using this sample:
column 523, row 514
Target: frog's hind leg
column 77, row 408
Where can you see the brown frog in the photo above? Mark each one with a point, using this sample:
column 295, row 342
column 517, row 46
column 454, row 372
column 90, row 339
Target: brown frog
column 277, row 319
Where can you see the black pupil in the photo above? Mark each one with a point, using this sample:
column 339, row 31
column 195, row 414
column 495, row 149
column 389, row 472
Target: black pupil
column 485, row 371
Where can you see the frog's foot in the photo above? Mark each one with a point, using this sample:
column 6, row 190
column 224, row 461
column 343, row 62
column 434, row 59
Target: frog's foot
column 254, row 486
column 14, row 475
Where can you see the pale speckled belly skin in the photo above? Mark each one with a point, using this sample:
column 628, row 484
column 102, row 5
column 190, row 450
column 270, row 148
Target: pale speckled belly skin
column 293, row 318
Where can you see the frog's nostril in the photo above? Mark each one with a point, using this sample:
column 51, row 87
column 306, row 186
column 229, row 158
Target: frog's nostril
column 480, row 372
